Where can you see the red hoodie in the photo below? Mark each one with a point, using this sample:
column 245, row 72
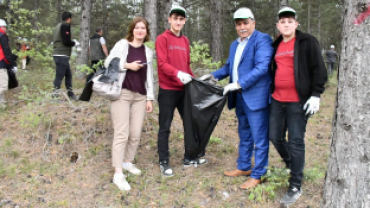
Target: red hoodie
column 173, row 55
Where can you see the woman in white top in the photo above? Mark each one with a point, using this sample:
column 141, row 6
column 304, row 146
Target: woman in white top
column 136, row 99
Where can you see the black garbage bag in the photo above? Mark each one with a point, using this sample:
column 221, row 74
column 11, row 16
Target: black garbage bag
column 109, row 74
column 204, row 103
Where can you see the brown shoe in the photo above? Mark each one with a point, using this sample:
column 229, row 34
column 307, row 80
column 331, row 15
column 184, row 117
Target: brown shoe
column 236, row 172
column 251, row 183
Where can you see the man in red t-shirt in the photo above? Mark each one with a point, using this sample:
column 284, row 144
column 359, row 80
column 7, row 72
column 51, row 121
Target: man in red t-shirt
column 173, row 55
column 297, row 82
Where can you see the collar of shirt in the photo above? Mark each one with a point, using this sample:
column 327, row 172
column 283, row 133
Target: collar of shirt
column 245, row 39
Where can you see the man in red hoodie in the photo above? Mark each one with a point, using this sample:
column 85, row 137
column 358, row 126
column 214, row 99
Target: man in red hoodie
column 173, row 55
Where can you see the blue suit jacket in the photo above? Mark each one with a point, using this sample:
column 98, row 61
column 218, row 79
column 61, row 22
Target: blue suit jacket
column 253, row 71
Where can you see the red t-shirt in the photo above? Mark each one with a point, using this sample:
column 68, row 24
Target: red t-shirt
column 173, row 55
column 285, row 88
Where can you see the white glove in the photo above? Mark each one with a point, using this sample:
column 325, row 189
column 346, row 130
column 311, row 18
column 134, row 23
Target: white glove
column 76, row 43
column 184, row 77
column 312, row 105
column 231, row 87
column 78, row 49
column 205, row 77
column 15, row 69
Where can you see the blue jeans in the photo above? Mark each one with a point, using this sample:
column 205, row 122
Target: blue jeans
column 289, row 116
column 253, row 133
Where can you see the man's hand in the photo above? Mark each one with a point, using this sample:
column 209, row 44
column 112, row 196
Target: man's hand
column 231, row 87
column 312, row 105
column 206, row 77
column 184, row 77
column 76, row 43
column 15, row 69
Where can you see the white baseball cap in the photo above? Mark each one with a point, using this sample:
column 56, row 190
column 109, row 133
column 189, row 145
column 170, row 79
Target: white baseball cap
column 2, row 22
column 332, row 46
column 177, row 9
column 243, row 13
column 287, row 10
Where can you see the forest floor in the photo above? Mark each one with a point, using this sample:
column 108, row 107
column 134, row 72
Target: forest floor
column 39, row 138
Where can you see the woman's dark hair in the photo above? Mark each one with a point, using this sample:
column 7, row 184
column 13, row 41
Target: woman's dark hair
column 66, row 15
column 131, row 27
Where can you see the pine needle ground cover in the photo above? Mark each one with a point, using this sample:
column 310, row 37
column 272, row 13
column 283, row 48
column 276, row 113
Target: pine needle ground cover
column 58, row 154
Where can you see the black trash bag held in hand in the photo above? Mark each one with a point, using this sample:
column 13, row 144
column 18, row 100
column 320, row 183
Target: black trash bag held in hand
column 204, row 103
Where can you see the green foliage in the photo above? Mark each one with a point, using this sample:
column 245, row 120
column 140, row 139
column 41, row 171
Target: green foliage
column 32, row 119
column 2, row 169
column 215, row 140
column 278, row 179
column 199, row 56
column 38, row 35
column 151, row 45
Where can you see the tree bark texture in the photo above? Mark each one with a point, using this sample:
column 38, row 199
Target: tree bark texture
column 216, row 19
column 83, row 56
column 347, row 182
column 105, row 19
column 59, row 11
column 151, row 16
column 283, row 3
column 164, row 8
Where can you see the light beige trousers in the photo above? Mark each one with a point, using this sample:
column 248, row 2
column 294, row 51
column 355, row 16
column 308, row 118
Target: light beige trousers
column 128, row 113
column 3, row 81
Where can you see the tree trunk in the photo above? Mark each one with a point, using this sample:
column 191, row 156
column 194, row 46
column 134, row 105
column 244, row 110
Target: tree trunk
column 59, row 11
column 83, row 56
column 347, row 182
column 216, row 20
column 151, row 16
column 36, row 17
column 165, row 6
column 309, row 17
column 105, row 19
column 283, row 3
column 319, row 23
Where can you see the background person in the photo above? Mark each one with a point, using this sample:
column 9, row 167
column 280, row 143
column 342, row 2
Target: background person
column 7, row 61
column 136, row 98
column 62, row 48
column 331, row 58
column 97, row 49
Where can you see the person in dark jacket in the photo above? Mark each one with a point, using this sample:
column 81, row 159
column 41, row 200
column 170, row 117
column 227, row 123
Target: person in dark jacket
column 98, row 50
column 331, row 58
column 7, row 61
column 62, row 48
column 298, row 79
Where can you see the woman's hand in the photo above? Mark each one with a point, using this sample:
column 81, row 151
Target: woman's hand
column 134, row 66
column 149, row 106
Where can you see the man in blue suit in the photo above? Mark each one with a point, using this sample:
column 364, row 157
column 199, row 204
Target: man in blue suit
column 248, row 91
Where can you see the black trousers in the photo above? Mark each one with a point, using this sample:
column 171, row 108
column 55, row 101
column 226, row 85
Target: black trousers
column 89, row 76
column 62, row 70
column 168, row 101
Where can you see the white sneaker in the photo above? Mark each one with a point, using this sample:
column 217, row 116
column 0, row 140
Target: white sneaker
column 121, row 183
column 131, row 168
